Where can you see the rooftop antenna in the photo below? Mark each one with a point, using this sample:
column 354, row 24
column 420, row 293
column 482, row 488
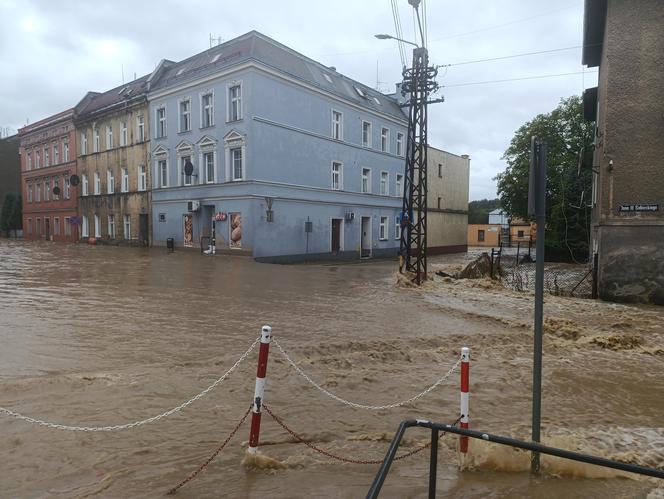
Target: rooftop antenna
column 122, row 69
column 215, row 40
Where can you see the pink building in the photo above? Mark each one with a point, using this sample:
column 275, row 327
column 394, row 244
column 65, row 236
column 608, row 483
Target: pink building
column 48, row 166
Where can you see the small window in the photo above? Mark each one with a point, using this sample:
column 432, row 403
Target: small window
column 127, row 227
column 399, row 185
column 480, row 235
column 185, row 115
column 366, row 134
column 161, row 122
column 384, row 183
column 95, row 137
column 124, row 183
column 56, row 226
column 207, row 110
column 383, row 228
column 123, row 134
column 337, row 125
column 65, row 151
column 56, row 155
column 397, row 227
column 140, row 126
column 360, row 92
column 110, row 182
column 439, row 201
column 327, row 77
column 235, row 102
column 337, row 176
column 366, row 180
column 84, row 143
column 385, row 139
column 142, row 180
column 84, row 185
column 97, row 226
column 84, row 226
column 399, row 144
column 208, row 162
column 162, row 168
column 236, row 163
column 111, row 226
column 109, row 137
column 519, row 234
column 67, row 226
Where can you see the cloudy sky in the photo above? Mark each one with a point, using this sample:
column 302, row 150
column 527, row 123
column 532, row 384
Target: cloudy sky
column 53, row 52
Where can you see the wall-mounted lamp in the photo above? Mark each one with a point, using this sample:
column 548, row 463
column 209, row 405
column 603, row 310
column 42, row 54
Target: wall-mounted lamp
column 610, row 165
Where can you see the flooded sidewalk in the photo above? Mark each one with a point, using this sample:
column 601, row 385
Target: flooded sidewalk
column 97, row 336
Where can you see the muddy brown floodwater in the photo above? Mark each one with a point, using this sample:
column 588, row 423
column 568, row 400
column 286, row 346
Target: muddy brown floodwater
column 100, row 336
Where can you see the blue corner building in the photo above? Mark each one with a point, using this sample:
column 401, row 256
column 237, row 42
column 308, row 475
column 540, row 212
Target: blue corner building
column 291, row 159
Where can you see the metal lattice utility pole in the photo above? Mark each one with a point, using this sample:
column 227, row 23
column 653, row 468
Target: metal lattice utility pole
column 418, row 82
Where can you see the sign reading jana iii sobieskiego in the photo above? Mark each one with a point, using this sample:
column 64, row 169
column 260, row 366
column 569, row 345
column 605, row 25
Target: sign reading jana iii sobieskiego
column 627, row 208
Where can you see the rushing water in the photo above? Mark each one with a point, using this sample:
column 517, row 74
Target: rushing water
column 103, row 336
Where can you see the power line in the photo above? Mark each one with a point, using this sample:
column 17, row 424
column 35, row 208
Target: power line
column 512, row 56
column 515, row 79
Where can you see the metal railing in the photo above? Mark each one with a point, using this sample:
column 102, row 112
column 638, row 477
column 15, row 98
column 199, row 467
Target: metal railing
column 437, row 428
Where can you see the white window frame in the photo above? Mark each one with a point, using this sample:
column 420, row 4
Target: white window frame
column 231, row 153
column 110, row 182
column 67, row 183
column 384, row 228
column 337, row 125
column 400, row 137
column 47, row 160
column 85, row 229
column 209, row 153
column 160, row 122
column 184, row 115
column 47, row 189
column 182, row 160
column 65, row 150
column 234, row 140
column 366, row 141
column 339, row 174
column 29, row 163
column 207, row 108
column 126, row 226
column 28, row 189
column 84, row 143
column 109, row 137
column 97, row 184
column 124, row 179
column 123, row 133
column 142, row 179
column 84, row 184
column 234, row 102
column 140, row 128
column 56, row 226
column 162, row 181
column 56, row 154
column 67, row 226
column 368, row 180
column 384, row 188
column 385, row 139
column 56, row 183
column 36, row 159
column 398, row 188
column 97, row 226
column 95, row 140
column 110, row 227
column 38, row 188
column 397, row 227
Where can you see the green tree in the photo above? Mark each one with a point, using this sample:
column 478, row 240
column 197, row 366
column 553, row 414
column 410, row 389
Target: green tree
column 478, row 211
column 11, row 215
column 569, row 140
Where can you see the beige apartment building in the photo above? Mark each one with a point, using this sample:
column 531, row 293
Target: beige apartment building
column 113, row 165
column 447, row 200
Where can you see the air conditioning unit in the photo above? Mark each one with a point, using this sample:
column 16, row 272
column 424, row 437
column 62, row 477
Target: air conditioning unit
column 350, row 216
column 193, row 205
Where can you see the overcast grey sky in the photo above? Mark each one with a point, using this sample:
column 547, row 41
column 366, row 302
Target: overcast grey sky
column 53, row 52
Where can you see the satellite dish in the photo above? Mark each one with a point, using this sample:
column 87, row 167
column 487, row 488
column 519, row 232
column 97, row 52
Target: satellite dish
column 56, row 190
column 188, row 168
column 74, row 180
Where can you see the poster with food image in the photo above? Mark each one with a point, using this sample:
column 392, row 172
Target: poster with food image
column 188, row 231
column 235, row 228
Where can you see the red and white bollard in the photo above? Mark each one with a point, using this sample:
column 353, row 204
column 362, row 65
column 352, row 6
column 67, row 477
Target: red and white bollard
column 266, row 336
column 465, row 396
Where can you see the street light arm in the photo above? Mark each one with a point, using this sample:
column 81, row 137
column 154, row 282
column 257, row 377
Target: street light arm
column 390, row 37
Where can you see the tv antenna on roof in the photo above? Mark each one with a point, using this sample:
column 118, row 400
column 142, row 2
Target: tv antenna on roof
column 215, row 40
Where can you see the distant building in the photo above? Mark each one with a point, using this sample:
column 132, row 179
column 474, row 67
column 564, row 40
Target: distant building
column 447, row 211
column 625, row 40
column 499, row 217
column 293, row 160
column 484, row 235
column 113, row 164
column 10, row 168
column 48, row 162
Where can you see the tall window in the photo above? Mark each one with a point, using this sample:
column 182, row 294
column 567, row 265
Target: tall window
column 84, row 226
column 127, row 227
column 366, row 180
column 56, row 154
column 397, row 227
column 140, row 127
column 67, row 183
column 110, row 182
column 384, row 183
column 142, row 180
column 123, row 133
column 28, row 188
column 84, row 143
column 111, row 226
column 480, row 235
column 337, row 125
column 208, row 162
column 56, row 183
column 399, row 185
column 29, row 226
column 383, row 229
column 185, row 115
column 235, row 102
column 109, row 137
column 440, row 170
column 188, row 179
column 399, row 144
column 38, row 188
column 236, row 163
column 124, row 181
column 47, row 189
column 67, row 223
column 162, row 168
column 366, row 134
column 95, row 140
column 97, row 226
column 97, row 185
column 161, row 122
column 46, row 157
column 84, row 185
column 385, row 139
column 36, row 159
column 29, row 161
column 337, row 176
column 65, row 150
column 56, row 226
column 207, row 110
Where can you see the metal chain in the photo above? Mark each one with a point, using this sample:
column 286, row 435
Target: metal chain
column 57, row 426
column 334, row 456
column 213, row 456
column 362, row 406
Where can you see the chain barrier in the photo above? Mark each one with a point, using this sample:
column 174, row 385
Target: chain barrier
column 362, row 406
column 313, row 447
column 213, row 456
column 126, row 426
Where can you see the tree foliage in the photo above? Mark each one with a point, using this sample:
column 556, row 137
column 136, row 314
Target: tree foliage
column 478, row 211
column 569, row 140
column 12, row 214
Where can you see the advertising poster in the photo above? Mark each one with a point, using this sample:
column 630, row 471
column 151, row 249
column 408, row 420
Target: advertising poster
column 188, row 231
column 235, row 228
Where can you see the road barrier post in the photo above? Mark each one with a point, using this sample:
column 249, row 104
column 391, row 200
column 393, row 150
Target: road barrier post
column 266, row 337
column 465, row 397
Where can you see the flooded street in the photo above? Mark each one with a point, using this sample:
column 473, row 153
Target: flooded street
column 96, row 336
